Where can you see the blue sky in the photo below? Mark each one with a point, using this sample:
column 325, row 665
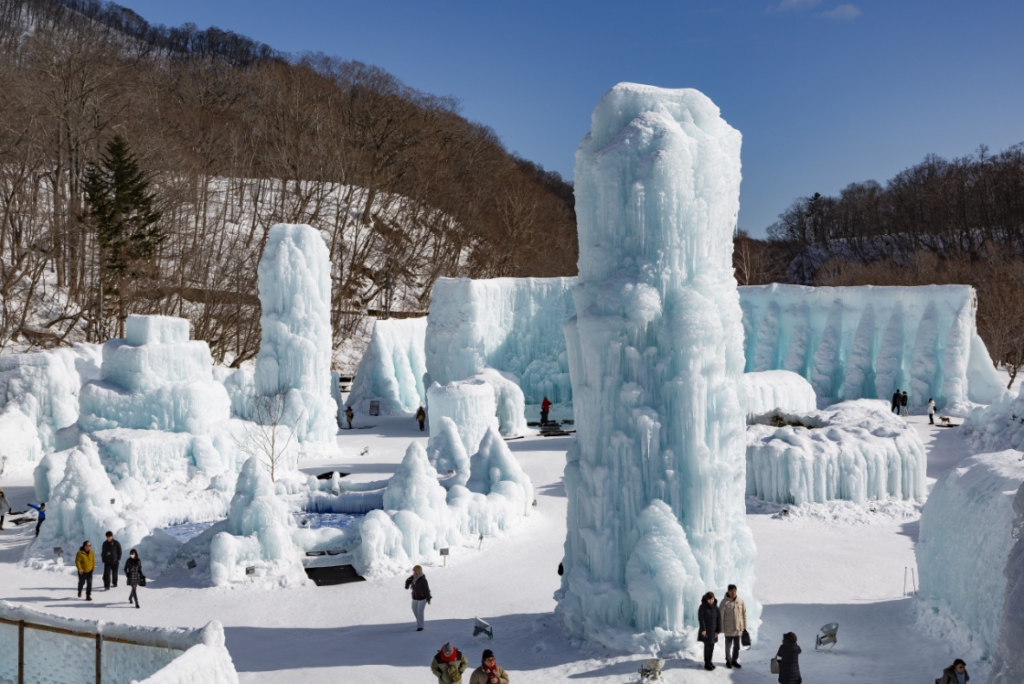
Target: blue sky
column 825, row 92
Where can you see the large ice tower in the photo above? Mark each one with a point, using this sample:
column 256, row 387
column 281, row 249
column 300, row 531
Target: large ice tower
column 295, row 351
column 656, row 358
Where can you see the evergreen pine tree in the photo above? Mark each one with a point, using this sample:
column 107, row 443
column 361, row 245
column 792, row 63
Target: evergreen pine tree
column 120, row 208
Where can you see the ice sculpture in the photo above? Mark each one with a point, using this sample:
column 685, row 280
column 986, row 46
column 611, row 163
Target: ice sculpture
column 656, row 358
column 769, row 391
column 513, row 325
column 999, row 426
column 294, row 360
column 392, row 369
column 471, row 405
column 965, row 547
column 864, row 342
column 257, row 534
column 853, row 451
column 1008, row 665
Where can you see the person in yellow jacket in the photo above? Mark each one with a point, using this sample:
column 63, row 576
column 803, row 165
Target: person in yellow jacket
column 85, row 563
column 734, row 623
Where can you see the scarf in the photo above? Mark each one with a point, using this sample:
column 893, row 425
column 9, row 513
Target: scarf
column 448, row 659
column 490, row 672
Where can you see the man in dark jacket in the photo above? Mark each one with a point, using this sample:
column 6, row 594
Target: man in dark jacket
column 709, row 618
column 110, row 554
column 420, row 594
column 421, row 417
column 896, row 401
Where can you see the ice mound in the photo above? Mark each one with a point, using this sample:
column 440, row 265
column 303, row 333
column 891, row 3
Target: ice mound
column 294, row 360
column 39, row 397
column 193, row 407
column 854, row 451
column 768, row 391
column 1008, row 665
column 470, row 404
column 513, row 325
column 999, row 426
column 258, row 533
column 656, row 354
column 966, row 547
column 392, row 369
column 864, row 342
column 446, row 451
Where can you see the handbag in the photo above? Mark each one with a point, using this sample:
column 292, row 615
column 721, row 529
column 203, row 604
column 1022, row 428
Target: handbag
column 142, row 581
column 775, row 666
column 745, row 638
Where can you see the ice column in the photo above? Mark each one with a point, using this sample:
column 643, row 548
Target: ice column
column 295, row 351
column 656, row 357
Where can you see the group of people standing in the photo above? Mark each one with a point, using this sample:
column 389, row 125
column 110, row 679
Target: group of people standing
column 901, row 400
column 730, row 619
column 110, row 556
column 449, row 664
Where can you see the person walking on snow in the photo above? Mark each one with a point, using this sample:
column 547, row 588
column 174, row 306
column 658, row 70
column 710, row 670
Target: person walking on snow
column 789, row 660
column 41, row 518
column 5, row 508
column 489, row 671
column 110, row 554
column 931, row 411
column 545, row 406
column 904, row 400
column 955, row 673
column 734, row 623
column 133, row 575
column 896, row 398
column 421, row 416
column 349, row 415
column 85, row 563
column 448, row 665
column 709, row 618
column 420, row 594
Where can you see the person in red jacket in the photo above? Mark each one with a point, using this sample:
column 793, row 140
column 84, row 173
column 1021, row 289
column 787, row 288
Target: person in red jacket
column 545, row 406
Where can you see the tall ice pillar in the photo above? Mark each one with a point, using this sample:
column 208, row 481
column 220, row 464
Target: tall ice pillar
column 656, row 478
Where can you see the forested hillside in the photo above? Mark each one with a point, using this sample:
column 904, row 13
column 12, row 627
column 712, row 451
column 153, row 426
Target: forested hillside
column 233, row 137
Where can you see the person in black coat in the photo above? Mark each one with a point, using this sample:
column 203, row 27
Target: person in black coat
column 110, row 554
column 420, row 594
column 710, row 620
column 133, row 575
column 896, row 396
column 789, row 660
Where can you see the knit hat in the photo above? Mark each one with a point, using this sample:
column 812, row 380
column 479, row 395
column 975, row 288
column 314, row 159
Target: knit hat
column 488, row 653
column 447, row 649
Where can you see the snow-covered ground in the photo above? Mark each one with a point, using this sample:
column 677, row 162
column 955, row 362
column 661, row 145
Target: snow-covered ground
column 836, row 563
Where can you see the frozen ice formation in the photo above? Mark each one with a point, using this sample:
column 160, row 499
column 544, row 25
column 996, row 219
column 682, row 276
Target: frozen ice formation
column 513, row 325
column 294, row 360
column 853, row 451
column 966, row 546
column 768, row 391
column 1008, row 664
column 257, row 533
column 656, row 358
column 392, row 369
column 38, row 397
column 999, row 426
column 420, row 516
column 864, row 342
column 447, row 452
column 471, row 405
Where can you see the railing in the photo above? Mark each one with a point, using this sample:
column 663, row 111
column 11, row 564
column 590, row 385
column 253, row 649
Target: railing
column 22, row 625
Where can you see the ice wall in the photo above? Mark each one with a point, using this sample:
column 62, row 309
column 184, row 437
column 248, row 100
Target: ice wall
column 1008, row 665
column 471, row 405
column 295, row 350
column 513, row 325
column 864, row 342
column 768, row 391
column 853, row 451
column 656, row 358
column 964, row 549
column 392, row 369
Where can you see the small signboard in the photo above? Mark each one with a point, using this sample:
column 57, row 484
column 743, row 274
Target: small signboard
column 374, row 407
column 444, row 552
column 251, row 570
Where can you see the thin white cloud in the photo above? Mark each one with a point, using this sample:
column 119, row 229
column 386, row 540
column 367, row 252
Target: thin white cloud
column 796, row 5
column 843, row 12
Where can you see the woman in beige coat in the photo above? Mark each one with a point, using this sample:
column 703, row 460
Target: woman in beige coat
column 734, row 623
column 490, row 672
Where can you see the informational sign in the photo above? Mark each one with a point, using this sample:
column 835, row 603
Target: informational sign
column 374, row 407
column 444, row 552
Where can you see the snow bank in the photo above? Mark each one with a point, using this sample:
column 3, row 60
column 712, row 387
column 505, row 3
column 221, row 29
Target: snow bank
column 854, row 451
column 392, row 369
column 39, row 396
column 864, row 342
column 997, row 427
column 157, row 656
column 656, row 352
column 964, row 550
column 1008, row 665
column 513, row 325
column 769, row 391
column 294, row 360
column 257, row 533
